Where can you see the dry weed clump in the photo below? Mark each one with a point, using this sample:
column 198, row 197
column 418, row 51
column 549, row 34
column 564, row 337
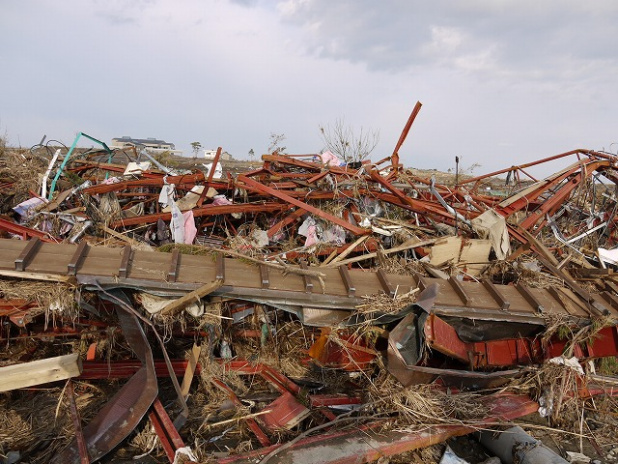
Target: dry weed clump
column 383, row 303
column 558, row 389
column 420, row 406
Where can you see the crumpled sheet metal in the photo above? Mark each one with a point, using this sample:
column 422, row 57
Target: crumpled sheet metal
column 406, row 353
column 120, row 415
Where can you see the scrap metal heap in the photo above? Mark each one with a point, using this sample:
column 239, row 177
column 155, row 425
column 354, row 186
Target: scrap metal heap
column 305, row 311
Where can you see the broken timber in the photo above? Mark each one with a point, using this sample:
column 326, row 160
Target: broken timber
column 344, row 289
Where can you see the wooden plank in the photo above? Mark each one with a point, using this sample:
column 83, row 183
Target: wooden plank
column 349, row 250
column 178, row 305
column 194, row 356
column 27, row 253
column 306, row 279
column 529, row 297
column 461, row 293
column 388, row 288
column 220, row 267
column 172, row 273
column 77, row 258
column 124, row 262
column 39, row 372
column 496, row 295
column 264, row 280
column 347, row 280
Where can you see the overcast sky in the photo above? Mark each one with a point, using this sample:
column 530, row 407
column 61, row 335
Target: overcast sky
column 501, row 82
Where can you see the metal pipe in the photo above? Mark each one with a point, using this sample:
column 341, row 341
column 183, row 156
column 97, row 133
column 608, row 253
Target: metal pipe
column 515, row 445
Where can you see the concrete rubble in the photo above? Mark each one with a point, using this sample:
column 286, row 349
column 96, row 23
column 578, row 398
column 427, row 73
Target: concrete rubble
column 304, row 309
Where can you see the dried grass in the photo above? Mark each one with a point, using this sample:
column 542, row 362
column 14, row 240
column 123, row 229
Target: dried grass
column 53, row 299
column 383, row 303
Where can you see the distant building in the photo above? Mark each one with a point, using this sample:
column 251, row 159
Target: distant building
column 151, row 143
column 209, row 155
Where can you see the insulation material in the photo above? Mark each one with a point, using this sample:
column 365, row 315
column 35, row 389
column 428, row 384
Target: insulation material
column 490, row 225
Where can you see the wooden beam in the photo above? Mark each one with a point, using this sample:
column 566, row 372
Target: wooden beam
column 347, row 281
column 124, row 262
column 306, row 279
column 172, row 273
column 77, row 258
column 26, row 254
column 530, row 298
column 178, row 305
column 220, row 267
column 385, row 283
column 495, row 294
column 264, row 279
column 461, row 293
column 39, row 372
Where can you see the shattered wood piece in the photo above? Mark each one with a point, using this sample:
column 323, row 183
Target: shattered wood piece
column 349, row 249
column 496, row 295
column 386, row 285
column 124, row 262
column 412, row 243
column 330, row 257
column 347, row 281
column 119, row 236
column 459, row 290
column 172, row 273
column 543, row 251
column 26, row 255
column 39, row 372
column 194, row 356
column 178, row 305
column 529, row 297
column 264, row 280
column 77, row 258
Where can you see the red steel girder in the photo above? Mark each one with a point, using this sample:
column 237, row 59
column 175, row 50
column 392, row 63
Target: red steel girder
column 18, row 229
column 124, row 369
column 185, row 181
column 261, row 188
column 404, row 135
column 591, row 154
column 442, row 337
column 367, row 443
column 206, row 210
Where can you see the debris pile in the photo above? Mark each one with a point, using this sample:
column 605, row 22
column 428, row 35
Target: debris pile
column 305, row 311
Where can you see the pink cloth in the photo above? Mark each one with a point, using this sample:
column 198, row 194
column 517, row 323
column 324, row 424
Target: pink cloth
column 330, row 159
column 190, row 229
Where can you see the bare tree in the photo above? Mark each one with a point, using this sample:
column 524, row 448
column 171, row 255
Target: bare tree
column 343, row 142
column 276, row 143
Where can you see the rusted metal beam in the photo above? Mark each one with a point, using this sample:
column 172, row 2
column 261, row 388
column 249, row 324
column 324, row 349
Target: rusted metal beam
column 256, row 186
column 25, row 232
column 404, row 134
column 206, row 210
column 368, row 443
column 290, row 218
column 186, row 181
